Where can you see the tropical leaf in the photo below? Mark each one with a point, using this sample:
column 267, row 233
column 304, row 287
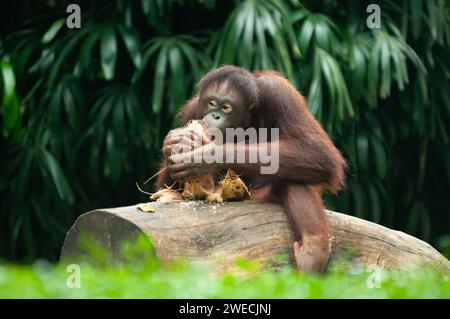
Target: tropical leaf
column 10, row 103
column 108, row 52
column 132, row 42
column 52, row 31
column 178, row 64
column 249, row 30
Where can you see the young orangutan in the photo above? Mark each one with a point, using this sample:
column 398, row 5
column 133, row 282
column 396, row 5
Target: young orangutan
column 231, row 97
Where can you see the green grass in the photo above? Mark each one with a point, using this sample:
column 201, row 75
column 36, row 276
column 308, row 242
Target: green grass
column 141, row 275
column 183, row 280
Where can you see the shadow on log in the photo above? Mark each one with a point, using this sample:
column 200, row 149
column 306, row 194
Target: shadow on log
column 201, row 231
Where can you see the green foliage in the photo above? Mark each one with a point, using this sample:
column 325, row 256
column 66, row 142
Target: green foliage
column 10, row 102
column 135, row 272
column 83, row 112
column 257, row 35
column 183, row 280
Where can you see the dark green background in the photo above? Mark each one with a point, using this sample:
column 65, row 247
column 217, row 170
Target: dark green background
column 83, row 112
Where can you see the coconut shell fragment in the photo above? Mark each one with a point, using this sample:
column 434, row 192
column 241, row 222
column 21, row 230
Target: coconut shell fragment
column 196, row 126
column 215, row 197
column 199, row 188
column 146, row 207
column 234, row 188
column 165, row 195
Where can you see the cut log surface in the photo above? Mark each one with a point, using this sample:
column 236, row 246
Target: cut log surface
column 209, row 232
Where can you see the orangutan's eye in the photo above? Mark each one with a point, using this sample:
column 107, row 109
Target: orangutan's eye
column 227, row 108
column 212, row 104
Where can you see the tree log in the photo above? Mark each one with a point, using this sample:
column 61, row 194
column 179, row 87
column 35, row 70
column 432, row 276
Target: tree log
column 209, row 232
